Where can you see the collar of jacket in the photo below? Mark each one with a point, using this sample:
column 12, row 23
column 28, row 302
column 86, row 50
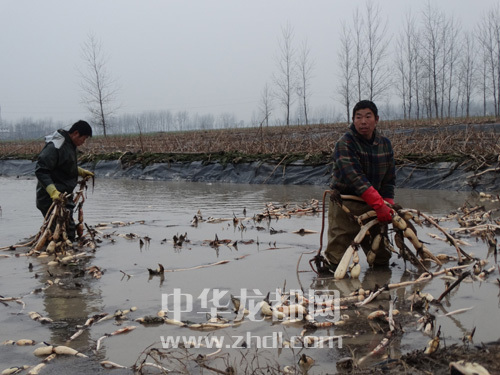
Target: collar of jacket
column 375, row 140
column 58, row 138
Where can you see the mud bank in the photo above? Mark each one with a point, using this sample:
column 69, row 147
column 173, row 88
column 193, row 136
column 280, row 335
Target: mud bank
column 439, row 176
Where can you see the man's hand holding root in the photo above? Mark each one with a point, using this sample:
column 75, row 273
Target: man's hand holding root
column 373, row 199
column 84, row 173
column 53, row 192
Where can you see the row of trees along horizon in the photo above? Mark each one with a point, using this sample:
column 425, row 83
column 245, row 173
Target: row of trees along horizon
column 437, row 69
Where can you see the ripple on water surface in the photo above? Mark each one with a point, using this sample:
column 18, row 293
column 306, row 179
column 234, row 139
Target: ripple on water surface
column 260, row 263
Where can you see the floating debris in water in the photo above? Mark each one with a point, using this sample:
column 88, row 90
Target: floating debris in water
column 111, row 365
column 117, row 332
column 39, row 318
column 14, row 370
column 159, row 271
column 58, row 349
column 467, row 368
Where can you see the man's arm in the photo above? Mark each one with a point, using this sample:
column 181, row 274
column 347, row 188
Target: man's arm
column 46, row 163
column 84, row 173
column 375, row 200
column 388, row 184
column 353, row 174
column 349, row 168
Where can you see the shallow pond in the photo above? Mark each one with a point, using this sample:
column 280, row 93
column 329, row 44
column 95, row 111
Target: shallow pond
column 264, row 259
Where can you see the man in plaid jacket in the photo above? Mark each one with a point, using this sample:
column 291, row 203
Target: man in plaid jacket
column 363, row 166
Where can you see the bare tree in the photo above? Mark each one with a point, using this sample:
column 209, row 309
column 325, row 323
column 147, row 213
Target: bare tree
column 370, row 75
column 468, row 71
column 99, row 88
column 227, row 120
column 488, row 62
column 432, row 48
column 417, row 71
column 266, row 105
column 406, row 65
column 403, row 83
column 359, row 48
column 489, row 41
column 205, row 122
column 305, row 67
column 182, row 120
column 439, row 54
column 453, row 45
column 484, row 79
column 165, row 120
column 494, row 15
column 285, row 78
column 346, row 69
column 441, row 82
column 378, row 75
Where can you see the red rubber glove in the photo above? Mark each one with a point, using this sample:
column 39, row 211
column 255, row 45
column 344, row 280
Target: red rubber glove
column 389, row 200
column 373, row 199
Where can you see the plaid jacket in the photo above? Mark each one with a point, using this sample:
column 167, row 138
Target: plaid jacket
column 359, row 164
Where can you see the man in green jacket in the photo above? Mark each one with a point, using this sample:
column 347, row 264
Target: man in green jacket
column 363, row 167
column 57, row 170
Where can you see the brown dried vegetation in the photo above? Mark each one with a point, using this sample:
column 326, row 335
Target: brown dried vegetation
column 413, row 141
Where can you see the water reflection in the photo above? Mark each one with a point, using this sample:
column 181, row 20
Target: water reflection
column 157, row 197
column 261, row 261
column 431, row 201
column 69, row 304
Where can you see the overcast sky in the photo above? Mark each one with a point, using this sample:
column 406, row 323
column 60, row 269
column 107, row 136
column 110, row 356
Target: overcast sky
column 204, row 56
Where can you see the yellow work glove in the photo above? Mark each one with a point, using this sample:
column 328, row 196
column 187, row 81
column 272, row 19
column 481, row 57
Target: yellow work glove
column 84, row 173
column 53, row 192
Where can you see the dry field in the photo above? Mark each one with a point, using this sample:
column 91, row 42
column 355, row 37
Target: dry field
column 416, row 141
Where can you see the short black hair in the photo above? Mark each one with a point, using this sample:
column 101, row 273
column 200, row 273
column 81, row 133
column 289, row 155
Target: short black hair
column 82, row 127
column 365, row 104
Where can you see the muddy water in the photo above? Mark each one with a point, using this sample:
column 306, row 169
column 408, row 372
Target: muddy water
column 161, row 210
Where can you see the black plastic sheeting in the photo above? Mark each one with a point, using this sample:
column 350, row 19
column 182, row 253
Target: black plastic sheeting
column 439, row 176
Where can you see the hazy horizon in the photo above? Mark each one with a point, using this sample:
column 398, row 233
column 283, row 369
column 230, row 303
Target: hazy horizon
column 198, row 56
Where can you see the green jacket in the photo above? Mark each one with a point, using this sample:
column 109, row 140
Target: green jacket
column 56, row 164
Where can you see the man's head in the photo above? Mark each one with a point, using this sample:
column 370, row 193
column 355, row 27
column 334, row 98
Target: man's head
column 365, row 118
column 79, row 132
